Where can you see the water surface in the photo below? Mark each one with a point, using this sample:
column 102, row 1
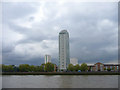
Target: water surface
column 60, row 81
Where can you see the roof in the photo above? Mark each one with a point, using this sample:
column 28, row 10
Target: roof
column 98, row 63
column 110, row 64
column 63, row 32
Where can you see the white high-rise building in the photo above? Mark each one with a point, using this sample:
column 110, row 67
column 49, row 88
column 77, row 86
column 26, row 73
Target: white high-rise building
column 74, row 61
column 64, row 58
column 47, row 58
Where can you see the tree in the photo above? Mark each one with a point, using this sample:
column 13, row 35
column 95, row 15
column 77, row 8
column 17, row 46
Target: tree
column 7, row 68
column 84, row 67
column 43, row 67
column 77, row 67
column 0, row 67
column 71, row 67
column 113, row 68
column 16, row 69
column 108, row 69
column 49, row 67
column 40, row 69
column 32, row 68
column 11, row 68
column 3, row 68
column 104, row 69
column 24, row 68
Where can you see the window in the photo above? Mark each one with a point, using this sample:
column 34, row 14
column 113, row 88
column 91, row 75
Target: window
column 114, row 67
column 110, row 67
column 106, row 67
column 101, row 67
column 117, row 67
column 91, row 68
column 96, row 67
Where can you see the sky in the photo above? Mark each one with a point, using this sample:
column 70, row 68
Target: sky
column 30, row 30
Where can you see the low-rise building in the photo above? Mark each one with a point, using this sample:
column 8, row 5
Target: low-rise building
column 91, row 68
column 113, row 67
column 104, row 67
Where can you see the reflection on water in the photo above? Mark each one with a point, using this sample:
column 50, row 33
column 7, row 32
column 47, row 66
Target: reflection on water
column 60, row 81
column 66, row 82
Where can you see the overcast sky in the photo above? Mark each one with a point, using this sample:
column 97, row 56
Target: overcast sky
column 30, row 30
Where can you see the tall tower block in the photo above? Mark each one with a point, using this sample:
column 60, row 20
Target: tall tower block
column 64, row 57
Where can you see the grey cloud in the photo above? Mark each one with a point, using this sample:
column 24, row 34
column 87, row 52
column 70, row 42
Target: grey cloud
column 6, row 49
column 89, row 34
column 12, row 10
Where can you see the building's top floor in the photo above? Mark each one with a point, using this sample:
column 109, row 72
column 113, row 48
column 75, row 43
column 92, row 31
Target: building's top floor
column 47, row 55
column 63, row 32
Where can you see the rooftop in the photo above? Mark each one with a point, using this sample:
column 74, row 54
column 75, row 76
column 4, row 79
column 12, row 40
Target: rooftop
column 63, row 32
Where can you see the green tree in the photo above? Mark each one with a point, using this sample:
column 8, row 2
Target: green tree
column 49, row 67
column 0, row 67
column 109, row 69
column 71, row 67
column 77, row 67
column 11, row 68
column 104, row 69
column 40, row 68
column 24, row 68
column 43, row 67
column 7, row 68
column 3, row 68
column 113, row 68
column 84, row 67
column 32, row 68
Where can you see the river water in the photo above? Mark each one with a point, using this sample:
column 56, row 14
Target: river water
column 60, row 81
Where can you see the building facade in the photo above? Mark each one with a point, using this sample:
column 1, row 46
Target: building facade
column 104, row 67
column 47, row 58
column 74, row 61
column 113, row 67
column 64, row 57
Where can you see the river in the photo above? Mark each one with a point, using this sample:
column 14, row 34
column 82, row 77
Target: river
column 60, row 81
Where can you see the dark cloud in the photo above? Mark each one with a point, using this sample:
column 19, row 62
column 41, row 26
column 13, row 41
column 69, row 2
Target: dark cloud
column 13, row 10
column 33, row 30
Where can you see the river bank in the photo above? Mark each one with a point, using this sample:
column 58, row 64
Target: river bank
column 60, row 73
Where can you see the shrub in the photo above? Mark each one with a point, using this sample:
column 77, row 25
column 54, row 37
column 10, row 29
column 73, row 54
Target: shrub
column 104, row 69
column 108, row 69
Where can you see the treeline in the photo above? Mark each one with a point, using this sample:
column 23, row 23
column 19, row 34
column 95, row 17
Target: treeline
column 48, row 67
column 77, row 67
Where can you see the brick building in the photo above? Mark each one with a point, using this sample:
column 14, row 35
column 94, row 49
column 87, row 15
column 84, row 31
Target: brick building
column 104, row 67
